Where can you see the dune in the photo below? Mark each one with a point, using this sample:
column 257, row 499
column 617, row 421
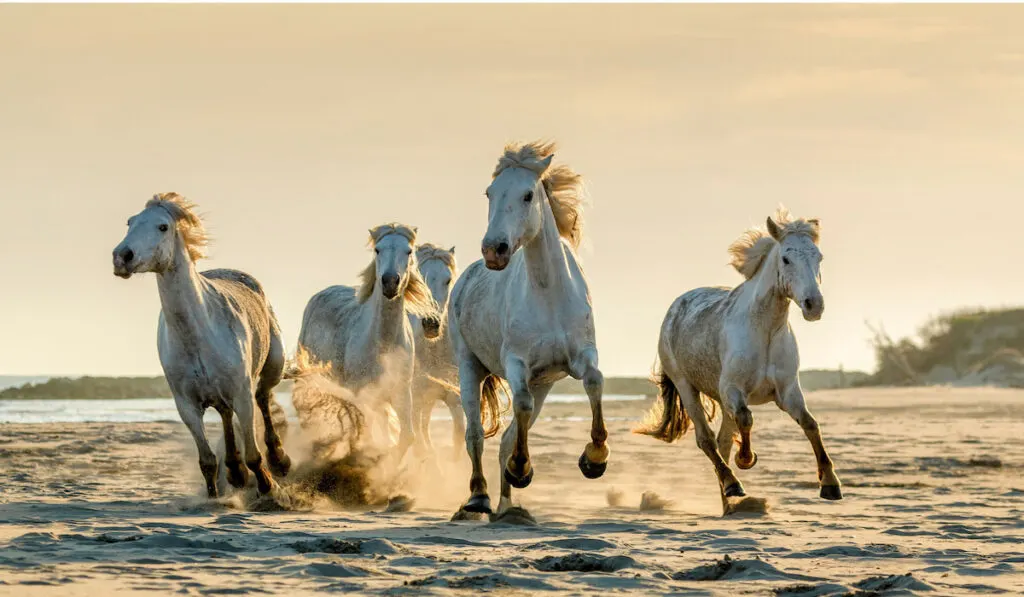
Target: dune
column 934, row 505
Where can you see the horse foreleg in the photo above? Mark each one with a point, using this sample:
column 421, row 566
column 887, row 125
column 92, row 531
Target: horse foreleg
column 793, row 403
column 471, row 375
column 192, row 416
column 253, row 457
column 594, row 460
column 729, row 485
column 407, row 435
column 736, row 406
column 238, row 475
column 508, row 440
column 726, row 436
column 517, row 468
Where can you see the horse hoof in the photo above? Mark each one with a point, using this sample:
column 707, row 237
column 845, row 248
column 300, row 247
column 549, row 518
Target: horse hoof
column 592, row 470
column 519, row 482
column 480, row 504
column 238, row 477
column 746, row 464
column 735, row 490
column 831, row 492
column 281, row 466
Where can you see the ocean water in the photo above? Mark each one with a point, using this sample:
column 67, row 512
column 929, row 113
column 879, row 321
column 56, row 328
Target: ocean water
column 148, row 410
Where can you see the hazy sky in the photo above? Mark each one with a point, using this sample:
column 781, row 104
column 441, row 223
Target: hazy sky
column 296, row 128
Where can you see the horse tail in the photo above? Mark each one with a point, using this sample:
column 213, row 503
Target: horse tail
column 490, row 404
column 491, row 408
column 667, row 420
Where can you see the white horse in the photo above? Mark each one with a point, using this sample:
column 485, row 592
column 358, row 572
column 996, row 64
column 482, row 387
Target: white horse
column 526, row 317
column 737, row 348
column 435, row 360
column 365, row 333
column 219, row 341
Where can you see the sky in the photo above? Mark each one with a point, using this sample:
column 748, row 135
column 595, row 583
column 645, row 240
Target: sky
column 297, row 128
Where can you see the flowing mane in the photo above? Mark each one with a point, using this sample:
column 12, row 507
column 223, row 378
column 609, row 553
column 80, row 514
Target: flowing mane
column 190, row 226
column 428, row 251
column 563, row 186
column 418, row 299
column 750, row 249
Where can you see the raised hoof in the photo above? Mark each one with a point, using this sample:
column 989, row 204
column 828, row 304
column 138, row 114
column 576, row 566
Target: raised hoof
column 746, row 464
column 238, row 477
column 281, row 466
column 519, row 482
column 592, row 470
column 735, row 490
column 480, row 504
column 831, row 492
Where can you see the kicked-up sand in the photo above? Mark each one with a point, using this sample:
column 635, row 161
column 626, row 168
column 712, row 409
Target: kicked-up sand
column 933, row 485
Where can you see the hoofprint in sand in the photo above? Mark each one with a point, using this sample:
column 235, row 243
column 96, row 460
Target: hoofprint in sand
column 933, row 486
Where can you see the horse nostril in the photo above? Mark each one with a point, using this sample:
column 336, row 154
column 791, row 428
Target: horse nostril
column 502, row 248
column 128, row 255
column 808, row 304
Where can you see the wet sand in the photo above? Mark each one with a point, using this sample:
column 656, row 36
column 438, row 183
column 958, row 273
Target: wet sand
column 933, row 484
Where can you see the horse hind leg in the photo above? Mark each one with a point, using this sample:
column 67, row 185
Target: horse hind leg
column 729, row 485
column 237, row 474
column 273, row 427
column 458, row 422
column 253, row 457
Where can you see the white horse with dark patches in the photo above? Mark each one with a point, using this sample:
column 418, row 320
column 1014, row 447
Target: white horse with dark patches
column 219, row 341
column 523, row 314
column 737, row 348
column 365, row 333
column 436, row 372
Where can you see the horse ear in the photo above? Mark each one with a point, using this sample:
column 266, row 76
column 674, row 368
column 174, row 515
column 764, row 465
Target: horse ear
column 546, row 162
column 774, row 229
column 452, row 250
column 814, row 222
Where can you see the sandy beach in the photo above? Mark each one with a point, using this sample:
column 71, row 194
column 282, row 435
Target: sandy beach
column 934, row 502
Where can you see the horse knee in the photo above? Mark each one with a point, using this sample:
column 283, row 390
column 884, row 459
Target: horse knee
column 744, row 418
column 593, row 381
column 807, row 422
column 523, row 403
column 706, row 444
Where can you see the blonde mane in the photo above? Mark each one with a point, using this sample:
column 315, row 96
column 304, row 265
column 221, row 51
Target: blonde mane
column 418, row 299
column 428, row 251
column 749, row 250
column 190, row 226
column 563, row 186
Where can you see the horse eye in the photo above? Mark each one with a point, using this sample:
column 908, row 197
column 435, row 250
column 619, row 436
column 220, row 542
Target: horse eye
column 407, row 253
column 163, row 227
column 528, row 197
column 785, row 260
column 377, row 251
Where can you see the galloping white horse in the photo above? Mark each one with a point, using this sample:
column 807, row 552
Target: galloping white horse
column 526, row 317
column 434, row 358
column 737, row 348
column 218, row 339
column 365, row 333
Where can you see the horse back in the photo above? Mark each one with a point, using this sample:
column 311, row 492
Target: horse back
column 691, row 336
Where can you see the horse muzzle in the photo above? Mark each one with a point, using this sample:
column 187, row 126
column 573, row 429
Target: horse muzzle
column 124, row 263
column 496, row 255
column 389, row 285
column 431, row 327
column 813, row 307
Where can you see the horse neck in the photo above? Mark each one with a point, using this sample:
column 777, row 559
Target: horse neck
column 770, row 305
column 389, row 318
column 181, row 298
column 544, row 255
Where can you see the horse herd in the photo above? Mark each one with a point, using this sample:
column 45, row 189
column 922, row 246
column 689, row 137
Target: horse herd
column 517, row 320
